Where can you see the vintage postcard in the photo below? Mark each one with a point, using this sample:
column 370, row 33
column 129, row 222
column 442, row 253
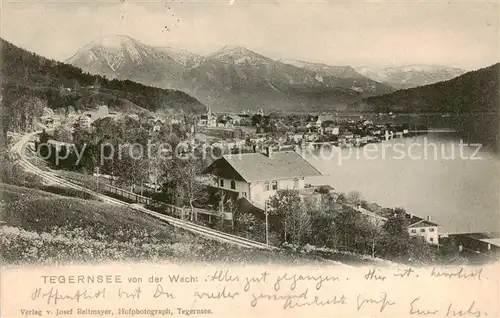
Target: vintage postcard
column 249, row 158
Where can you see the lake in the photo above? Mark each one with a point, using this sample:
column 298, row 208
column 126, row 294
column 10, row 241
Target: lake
column 427, row 175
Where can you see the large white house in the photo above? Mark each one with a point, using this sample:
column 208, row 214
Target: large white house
column 257, row 176
column 425, row 228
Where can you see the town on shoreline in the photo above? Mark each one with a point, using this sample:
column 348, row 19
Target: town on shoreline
column 263, row 193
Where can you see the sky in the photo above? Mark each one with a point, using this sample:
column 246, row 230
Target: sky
column 357, row 33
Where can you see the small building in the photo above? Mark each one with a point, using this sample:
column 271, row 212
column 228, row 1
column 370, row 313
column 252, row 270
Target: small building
column 174, row 121
column 257, row 140
column 424, row 228
column 235, row 120
column 102, row 111
column 417, row 226
column 84, row 121
column 311, row 137
column 236, row 143
column 258, row 176
column 485, row 243
column 133, row 116
column 208, row 120
column 331, row 130
column 224, row 123
column 296, row 137
column 314, row 121
column 157, row 124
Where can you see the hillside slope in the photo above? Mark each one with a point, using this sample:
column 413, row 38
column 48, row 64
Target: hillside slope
column 26, row 75
column 41, row 227
column 472, row 92
column 471, row 103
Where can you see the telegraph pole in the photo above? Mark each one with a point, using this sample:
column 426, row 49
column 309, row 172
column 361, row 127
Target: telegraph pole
column 267, row 222
column 97, row 178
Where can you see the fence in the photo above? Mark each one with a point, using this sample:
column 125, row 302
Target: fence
column 179, row 212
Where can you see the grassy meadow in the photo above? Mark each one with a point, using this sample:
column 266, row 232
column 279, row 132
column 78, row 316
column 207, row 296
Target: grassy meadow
column 40, row 227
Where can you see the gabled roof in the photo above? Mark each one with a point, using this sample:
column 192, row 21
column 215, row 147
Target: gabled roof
column 258, row 167
column 416, row 221
column 492, row 241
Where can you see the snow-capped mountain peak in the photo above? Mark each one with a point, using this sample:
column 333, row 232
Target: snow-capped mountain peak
column 114, row 41
column 413, row 75
column 120, row 56
column 238, row 55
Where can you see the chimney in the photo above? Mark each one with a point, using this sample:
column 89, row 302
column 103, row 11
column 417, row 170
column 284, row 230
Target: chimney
column 429, row 218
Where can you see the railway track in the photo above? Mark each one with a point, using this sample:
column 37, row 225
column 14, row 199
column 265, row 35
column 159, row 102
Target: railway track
column 17, row 153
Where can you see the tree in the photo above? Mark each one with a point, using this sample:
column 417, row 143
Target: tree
column 342, row 198
column 131, row 169
column 396, row 237
column 281, row 205
column 369, row 235
column 323, row 231
column 42, row 146
column 257, row 120
column 76, row 86
column 420, row 252
column 396, row 224
column 300, row 222
column 244, row 222
column 294, row 219
column 222, row 203
column 195, row 190
column 97, row 85
column 171, row 182
column 345, row 227
column 22, row 113
column 354, row 198
column 63, row 134
column 181, row 185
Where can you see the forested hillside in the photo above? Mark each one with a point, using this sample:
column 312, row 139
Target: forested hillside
column 31, row 82
column 473, row 92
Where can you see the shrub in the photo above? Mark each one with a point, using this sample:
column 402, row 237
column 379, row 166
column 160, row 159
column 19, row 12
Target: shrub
column 68, row 192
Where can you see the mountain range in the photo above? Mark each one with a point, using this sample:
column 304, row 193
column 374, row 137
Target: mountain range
column 233, row 78
column 409, row 76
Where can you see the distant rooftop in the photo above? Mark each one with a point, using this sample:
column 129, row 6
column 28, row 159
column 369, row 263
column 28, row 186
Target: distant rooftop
column 416, row 221
column 479, row 235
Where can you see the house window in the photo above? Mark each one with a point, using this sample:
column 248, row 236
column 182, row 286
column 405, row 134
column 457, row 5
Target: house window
column 266, row 186
column 431, row 229
column 274, row 185
column 222, row 183
column 422, row 230
column 431, row 239
column 233, row 184
column 414, row 231
column 295, row 183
